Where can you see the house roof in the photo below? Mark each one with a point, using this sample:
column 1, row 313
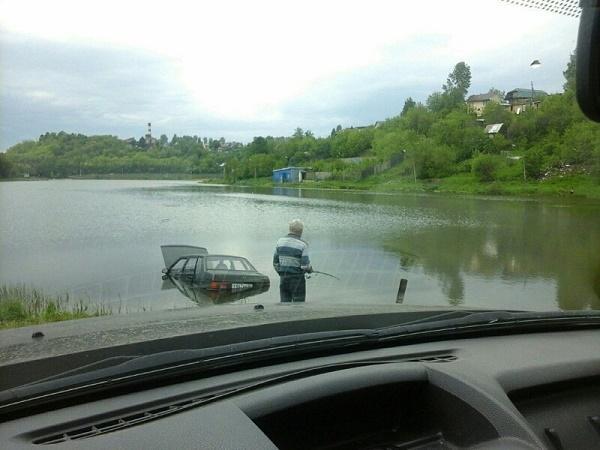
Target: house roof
column 493, row 128
column 524, row 93
column 481, row 97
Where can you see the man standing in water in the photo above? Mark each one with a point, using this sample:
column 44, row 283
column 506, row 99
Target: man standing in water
column 291, row 262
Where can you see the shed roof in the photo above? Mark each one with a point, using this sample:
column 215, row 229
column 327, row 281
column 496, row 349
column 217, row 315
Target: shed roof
column 493, row 128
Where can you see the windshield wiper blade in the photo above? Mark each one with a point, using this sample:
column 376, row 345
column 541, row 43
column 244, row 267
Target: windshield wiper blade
column 494, row 320
column 175, row 363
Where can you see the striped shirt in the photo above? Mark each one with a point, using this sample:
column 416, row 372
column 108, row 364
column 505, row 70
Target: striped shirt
column 291, row 255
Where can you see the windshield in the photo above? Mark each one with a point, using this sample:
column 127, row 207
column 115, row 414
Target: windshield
column 397, row 155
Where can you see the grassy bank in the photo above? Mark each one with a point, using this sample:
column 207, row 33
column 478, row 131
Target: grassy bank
column 572, row 185
column 21, row 306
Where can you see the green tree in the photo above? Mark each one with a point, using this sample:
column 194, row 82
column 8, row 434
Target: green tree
column 431, row 160
column 459, row 130
column 389, row 144
column 569, row 73
column 438, row 102
column 417, row 119
column 258, row 145
column 496, row 113
column 408, row 104
column 458, row 81
column 581, row 141
column 534, row 163
column 500, row 94
column 453, row 91
column 352, row 142
column 5, row 166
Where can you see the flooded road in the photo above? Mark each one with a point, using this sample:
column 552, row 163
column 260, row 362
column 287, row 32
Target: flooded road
column 100, row 241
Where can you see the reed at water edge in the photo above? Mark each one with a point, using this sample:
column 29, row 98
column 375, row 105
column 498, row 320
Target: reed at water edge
column 21, row 305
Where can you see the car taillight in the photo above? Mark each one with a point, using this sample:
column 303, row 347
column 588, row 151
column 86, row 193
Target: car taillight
column 219, row 285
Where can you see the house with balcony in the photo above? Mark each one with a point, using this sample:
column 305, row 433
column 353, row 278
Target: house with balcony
column 520, row 99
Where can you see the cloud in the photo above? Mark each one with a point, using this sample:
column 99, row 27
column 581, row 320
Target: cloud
column 241, row 69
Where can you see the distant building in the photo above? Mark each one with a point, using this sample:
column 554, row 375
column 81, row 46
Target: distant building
column 289, row 175
column 477, row 103
column 520, row 99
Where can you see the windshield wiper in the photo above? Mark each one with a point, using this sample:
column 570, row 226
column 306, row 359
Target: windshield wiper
column 173, row 363
column 490, row 321
column 160, row 366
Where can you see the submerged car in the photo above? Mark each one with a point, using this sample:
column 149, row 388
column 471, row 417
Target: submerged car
column 213, row 273
column 206, row 297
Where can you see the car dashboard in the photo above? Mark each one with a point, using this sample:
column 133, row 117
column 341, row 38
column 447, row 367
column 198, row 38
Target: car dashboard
column 537, row 390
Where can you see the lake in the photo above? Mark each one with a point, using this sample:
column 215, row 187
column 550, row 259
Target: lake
column 100, row 241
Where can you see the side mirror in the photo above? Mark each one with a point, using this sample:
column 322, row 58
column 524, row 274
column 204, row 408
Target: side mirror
column 588, row 59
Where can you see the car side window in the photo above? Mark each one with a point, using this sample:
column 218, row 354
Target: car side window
column 200, row 266
column 236, row 264
column 247, row 265
column 178, row 266
column 218, row 263
column 190, row 266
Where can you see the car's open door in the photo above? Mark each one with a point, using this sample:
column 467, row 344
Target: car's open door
column 172, row 253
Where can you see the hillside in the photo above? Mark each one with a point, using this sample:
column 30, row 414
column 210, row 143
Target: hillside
column 432, row 144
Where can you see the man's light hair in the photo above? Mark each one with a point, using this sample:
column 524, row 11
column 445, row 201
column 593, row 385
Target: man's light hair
column 296, row 227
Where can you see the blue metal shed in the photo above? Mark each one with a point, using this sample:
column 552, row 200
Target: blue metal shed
column 289, row 175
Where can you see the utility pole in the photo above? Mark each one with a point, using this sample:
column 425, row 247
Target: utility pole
column 532, row 94
column 415, row 170
column 534, row 65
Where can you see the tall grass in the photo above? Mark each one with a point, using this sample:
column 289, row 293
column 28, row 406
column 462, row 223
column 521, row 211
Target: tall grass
column 21, row 305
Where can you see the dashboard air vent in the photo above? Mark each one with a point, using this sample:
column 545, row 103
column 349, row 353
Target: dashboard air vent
column 125, row 421
column 434, row 358
column 132, row 419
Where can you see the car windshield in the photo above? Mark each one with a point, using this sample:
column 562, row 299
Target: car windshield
column 323, row 156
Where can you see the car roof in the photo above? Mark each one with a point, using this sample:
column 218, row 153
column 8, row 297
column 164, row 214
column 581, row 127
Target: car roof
column 226, row 256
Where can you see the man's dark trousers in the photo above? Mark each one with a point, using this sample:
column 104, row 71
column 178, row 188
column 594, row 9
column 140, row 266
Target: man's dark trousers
column 292, row 288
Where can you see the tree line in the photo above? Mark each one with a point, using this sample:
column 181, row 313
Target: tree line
column 67, row 154
column 435, row 139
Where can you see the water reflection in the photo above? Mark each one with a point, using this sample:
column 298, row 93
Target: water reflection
column 204, row 297
column 99, row 240
column 522, row 245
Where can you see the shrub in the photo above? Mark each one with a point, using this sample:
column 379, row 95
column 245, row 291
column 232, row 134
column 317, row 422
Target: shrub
column 534, row 163
column 434, row 161
column 485, row 167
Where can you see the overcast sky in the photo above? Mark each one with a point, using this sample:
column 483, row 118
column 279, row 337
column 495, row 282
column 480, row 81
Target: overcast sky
column 240, row 69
